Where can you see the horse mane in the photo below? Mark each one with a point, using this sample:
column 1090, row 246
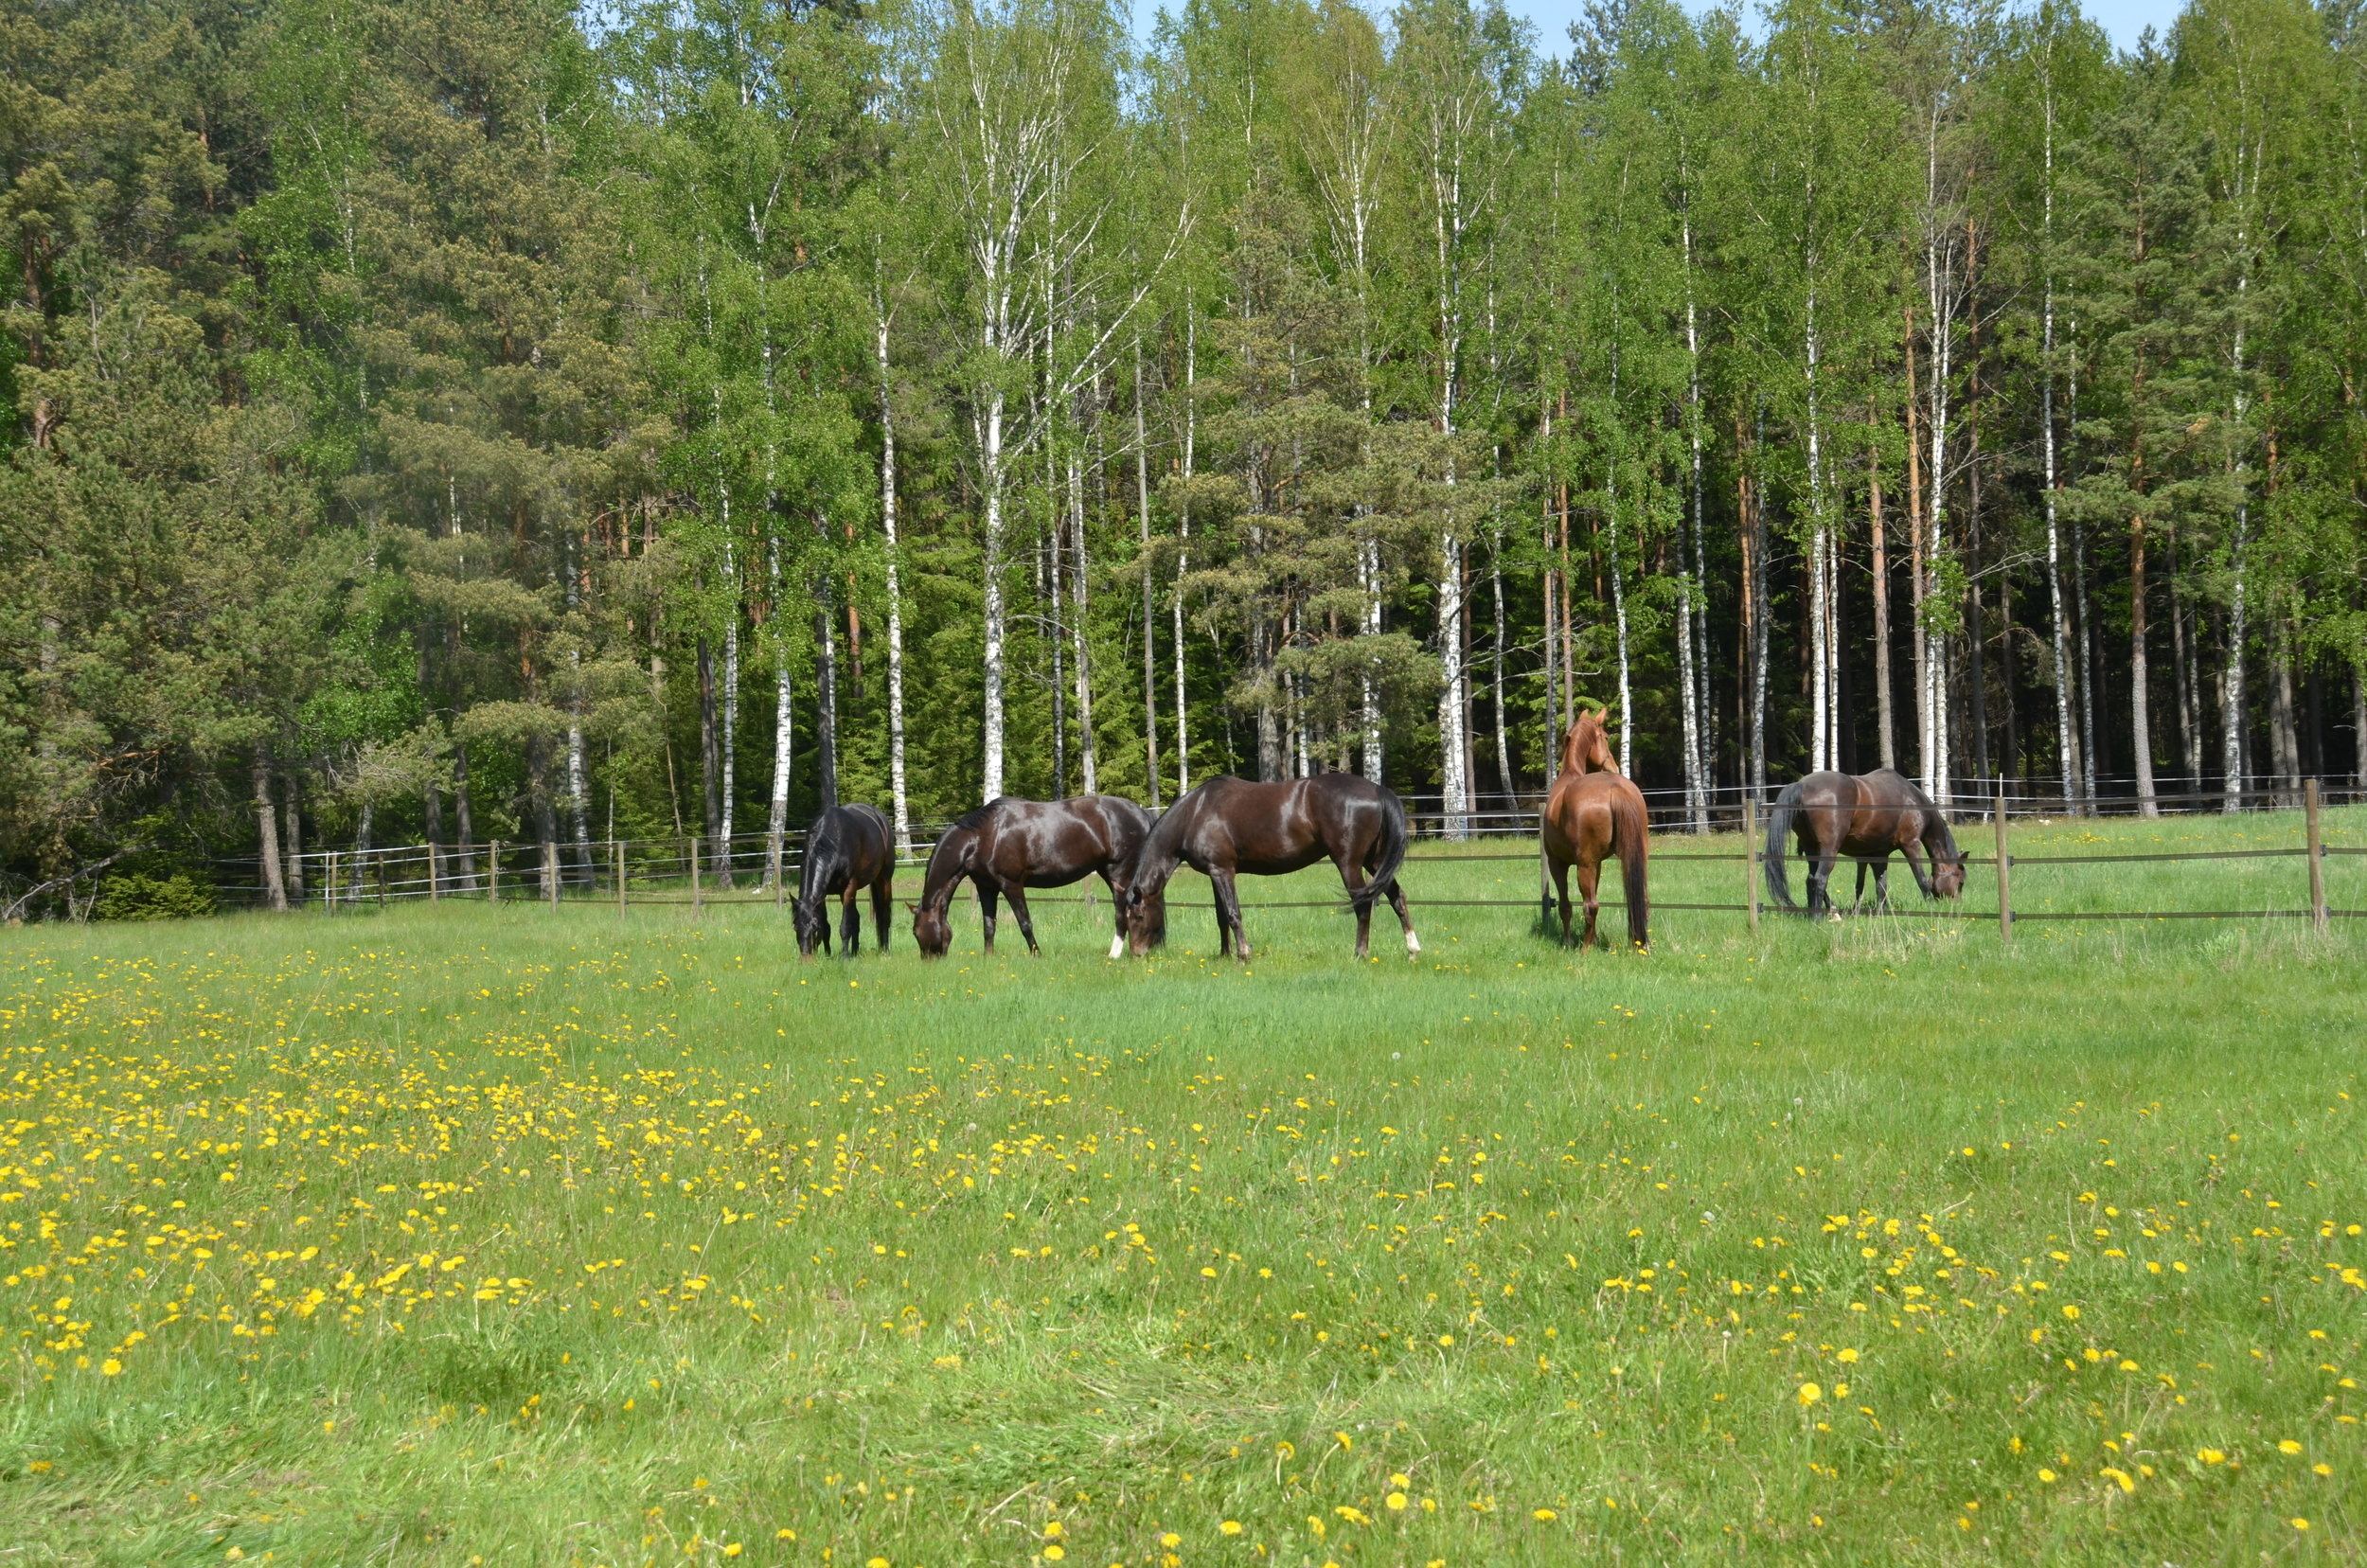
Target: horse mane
column 973, row 819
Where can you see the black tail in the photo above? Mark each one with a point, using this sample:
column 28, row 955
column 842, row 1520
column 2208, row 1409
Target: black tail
column 1392, row 846
column 1630, row 841
column 1778, row 834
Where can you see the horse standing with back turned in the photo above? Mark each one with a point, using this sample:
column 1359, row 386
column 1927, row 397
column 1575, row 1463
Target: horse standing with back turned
column 1008, row 845
column 1865, row 816
column 1596, row 812
column 847, row 849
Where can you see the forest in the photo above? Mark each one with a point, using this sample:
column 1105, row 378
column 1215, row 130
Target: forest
column 440, row 422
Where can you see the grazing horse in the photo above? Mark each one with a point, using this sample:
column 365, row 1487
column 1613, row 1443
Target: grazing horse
column 1008, row 845
column 1864, row 816
column 847, row 849
column 1593, row 811
column 1230, row 825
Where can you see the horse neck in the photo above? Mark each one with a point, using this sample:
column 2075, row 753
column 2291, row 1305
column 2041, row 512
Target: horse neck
column 1572, row 758
column 1937, row 840
column 947, row 863
column 1156, row 861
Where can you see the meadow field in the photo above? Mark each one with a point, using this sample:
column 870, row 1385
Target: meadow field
column 469, row 1236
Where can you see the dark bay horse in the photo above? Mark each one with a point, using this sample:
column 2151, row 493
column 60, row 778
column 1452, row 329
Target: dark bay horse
column 1595, row 811
column 1008, row 845
column 847, row 849
column 1229, row 825
column 1864, row 816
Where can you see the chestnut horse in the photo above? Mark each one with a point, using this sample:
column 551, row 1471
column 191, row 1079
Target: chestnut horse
column 1008, row 845
column 1594, row 811
column 847, row 849
column 1229, row 825
column 1864, row 816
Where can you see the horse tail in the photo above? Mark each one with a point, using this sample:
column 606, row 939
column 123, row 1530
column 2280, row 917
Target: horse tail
column 1630, row 840
column 1778, row 833
column 1392, row 846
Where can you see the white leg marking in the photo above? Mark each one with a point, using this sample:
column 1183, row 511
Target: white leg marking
column 1117, row 947
column 1412, row 943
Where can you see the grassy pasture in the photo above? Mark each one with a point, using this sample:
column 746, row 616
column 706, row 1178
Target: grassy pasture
column 519, row 1236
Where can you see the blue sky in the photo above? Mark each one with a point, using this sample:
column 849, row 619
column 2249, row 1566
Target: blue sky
column 2122, row 19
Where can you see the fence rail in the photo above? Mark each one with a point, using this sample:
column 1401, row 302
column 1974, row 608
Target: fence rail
column 754, row 868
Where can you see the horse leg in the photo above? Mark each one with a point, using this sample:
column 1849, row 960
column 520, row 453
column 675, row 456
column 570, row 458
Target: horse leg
column 851, row 921
column 1856, row 899
column 986, row 913
column 1561, row 886
column 1018, row 894
column 1820, row 884
column 1352, row 878
column 1915, row 864
column 1882, row 885
column 1117, row 943
column 1405, row 918
column 882, row 909
column 1229, row 912
column 1590, row 877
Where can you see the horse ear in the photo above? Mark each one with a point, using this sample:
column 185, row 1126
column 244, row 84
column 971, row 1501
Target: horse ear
column 913, row 907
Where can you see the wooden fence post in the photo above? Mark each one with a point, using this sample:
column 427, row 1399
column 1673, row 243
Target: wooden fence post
column 493, row 872
column 1751, row 853
column 2316, row 856
column 435, row 872
column 550, row 873
column 696, row 893
column 2004, row 873
column 616, row 849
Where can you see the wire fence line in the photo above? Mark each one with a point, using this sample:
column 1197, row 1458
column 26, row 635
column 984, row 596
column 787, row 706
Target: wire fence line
column 755, row 869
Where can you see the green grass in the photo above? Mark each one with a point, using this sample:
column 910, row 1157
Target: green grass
column 556, row 1238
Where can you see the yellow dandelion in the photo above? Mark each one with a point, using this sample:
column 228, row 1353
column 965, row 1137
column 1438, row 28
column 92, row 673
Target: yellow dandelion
column 2289, row 1445
column 110, row 1367
column 1052, row 1552
column 1846, row 1357
column 2212, row 1457
column 1809, row 1393
column 2046, row 1475
column 1170, row 1540
column 1231, row 1527
column 1396, row 1502
column 1544, row 1516
column 1053, row 1530
column 2299, row 1523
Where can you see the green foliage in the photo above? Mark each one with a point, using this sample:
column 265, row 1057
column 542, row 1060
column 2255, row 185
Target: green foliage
column 135, row 896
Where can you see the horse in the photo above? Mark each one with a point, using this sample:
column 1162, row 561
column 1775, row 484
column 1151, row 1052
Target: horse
column 1594, row 811
column 847, row 849
column 1865, row 816
column 1229, row 825
column 1010, row 845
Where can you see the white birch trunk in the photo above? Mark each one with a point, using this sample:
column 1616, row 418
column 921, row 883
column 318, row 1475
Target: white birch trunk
column 899, row 799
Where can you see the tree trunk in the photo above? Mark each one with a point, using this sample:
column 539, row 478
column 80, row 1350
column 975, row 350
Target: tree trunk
column 2139, row 708
column 431, row 808
column 462, row 815
column 1088, row 774
column 267, row 832
column 292, row 849
column 898, row 799
column 784, row 719
column 2283, row 737
column 1454, row 789
column 1884, row 715
column 1150, row 617
column 1496, row 669
column 990, row 444
column 710, row 748
column 2232, row 695
column 826, row 693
